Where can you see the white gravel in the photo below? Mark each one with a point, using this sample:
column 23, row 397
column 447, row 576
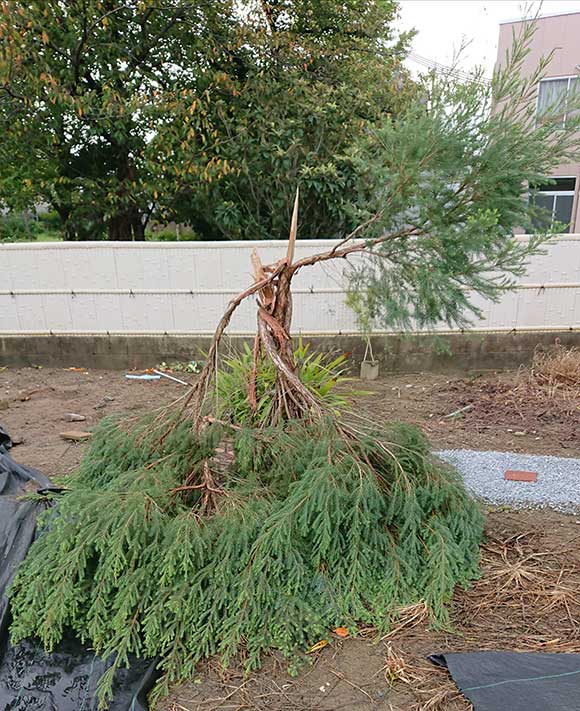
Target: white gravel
column 558, row 485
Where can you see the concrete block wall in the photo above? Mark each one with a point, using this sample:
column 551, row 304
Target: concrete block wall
column 182, row 288
column 122, row 305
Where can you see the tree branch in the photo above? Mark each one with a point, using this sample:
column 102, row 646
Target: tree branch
column 336, row 252
column 357, row 230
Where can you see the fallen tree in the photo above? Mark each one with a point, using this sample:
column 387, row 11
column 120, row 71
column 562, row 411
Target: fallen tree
column 205, row 528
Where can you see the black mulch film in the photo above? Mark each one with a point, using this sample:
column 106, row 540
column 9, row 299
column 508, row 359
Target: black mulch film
column 30, row 678
column 515, row 681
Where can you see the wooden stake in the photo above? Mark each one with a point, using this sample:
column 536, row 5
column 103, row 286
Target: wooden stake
column 293, row 230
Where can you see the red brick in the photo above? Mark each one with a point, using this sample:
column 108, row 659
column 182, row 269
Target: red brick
column 515, row 475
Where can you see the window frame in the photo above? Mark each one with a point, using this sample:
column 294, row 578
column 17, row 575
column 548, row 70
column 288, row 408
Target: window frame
column 569, row 78
column 563, row 193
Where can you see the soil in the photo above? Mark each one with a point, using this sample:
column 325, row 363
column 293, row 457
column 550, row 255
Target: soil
column 526, row 598
column 501, row 412
column 39, row 399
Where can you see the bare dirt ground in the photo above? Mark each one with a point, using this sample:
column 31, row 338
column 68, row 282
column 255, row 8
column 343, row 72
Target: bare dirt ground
column 527, row 597
column 502, row 414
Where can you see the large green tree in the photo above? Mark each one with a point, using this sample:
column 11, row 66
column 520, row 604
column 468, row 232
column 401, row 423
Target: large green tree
column 316, row 76
column 206, row 111
column 89, row 89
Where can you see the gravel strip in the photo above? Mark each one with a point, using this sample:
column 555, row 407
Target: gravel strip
column 558, row 485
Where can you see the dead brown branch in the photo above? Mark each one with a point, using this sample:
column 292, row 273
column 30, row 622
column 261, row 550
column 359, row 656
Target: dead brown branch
column 338, row 252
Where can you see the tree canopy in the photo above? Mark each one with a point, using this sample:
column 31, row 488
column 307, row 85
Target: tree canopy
column 204, row 112
column 447, row 191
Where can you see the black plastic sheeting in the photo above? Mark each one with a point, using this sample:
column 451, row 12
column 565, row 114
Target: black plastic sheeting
column 30, row 678
column 515, row 681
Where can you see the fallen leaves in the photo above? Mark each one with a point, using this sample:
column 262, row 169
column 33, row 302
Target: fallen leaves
column 317, row 647
column 341, row 632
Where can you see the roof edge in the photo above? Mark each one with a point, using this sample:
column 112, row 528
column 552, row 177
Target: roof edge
column 540, row 17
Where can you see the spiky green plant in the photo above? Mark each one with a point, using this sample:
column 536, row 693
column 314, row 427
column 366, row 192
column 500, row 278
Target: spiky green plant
column 320, row 374
column 312, row 528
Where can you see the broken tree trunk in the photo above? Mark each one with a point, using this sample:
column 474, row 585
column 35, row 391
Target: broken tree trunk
column 273, row 290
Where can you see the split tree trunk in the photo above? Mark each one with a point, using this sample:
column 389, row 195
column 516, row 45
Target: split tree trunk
column 293, row 399
column 272, row 287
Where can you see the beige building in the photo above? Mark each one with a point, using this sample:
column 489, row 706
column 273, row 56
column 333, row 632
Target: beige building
column 561, row 34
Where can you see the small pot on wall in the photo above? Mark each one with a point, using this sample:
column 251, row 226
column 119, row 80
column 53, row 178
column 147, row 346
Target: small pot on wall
column 369, row 370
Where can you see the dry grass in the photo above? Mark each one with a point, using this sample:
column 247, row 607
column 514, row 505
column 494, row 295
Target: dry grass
column 527, row 600
column 556, row 367
column 408, row 618
column 553, row 378
column 398, row 669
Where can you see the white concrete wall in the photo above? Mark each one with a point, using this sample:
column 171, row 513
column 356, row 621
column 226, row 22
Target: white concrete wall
column 183, row 288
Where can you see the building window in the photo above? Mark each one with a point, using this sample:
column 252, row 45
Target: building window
column 555, row 96
column 555, row 201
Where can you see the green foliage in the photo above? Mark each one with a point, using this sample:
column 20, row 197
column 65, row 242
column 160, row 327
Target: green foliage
column 49, row 220
column 179, row 366
column 448, row 183
column 169, row 235
column 103, row 107
column 14, row 229
column 324, row 74
column 22, row 228
column 311, row 531
column 319, row 373
column 177, row 110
